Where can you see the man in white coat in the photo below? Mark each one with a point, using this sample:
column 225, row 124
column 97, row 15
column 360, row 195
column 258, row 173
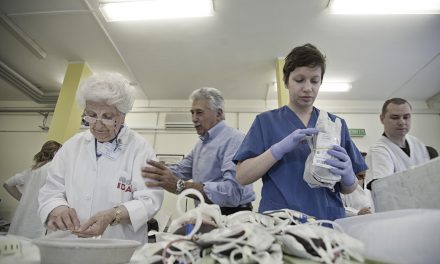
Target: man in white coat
column 395, row 151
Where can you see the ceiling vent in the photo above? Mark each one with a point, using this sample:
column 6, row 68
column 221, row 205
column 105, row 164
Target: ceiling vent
column 178, row 121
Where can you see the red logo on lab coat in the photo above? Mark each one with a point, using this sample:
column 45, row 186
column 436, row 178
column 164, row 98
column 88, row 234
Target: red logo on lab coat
column 124, row 184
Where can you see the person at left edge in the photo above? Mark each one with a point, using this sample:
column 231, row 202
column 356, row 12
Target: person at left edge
column 209, row 164
column 94, row 186
column 26, row 222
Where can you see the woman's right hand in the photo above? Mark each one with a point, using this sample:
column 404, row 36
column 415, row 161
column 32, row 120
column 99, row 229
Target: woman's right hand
column 63, row 218
column 97, row 224
column 290, row 142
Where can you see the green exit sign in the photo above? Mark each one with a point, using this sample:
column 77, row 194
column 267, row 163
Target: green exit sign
column 357, row 132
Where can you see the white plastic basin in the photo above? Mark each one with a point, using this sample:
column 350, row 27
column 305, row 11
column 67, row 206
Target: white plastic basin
column 96, row 251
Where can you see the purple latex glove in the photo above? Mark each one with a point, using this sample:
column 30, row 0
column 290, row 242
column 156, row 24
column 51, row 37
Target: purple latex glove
column 342, row 165
column 291, row 142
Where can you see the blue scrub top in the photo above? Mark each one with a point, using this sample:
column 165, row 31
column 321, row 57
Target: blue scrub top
column 283, row 184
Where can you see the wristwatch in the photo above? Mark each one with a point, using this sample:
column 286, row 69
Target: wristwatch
column 117, row 219
column 180, row 186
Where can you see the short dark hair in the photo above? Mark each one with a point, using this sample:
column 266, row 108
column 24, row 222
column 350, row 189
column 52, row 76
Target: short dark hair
column 306, row 55
column 397, row 101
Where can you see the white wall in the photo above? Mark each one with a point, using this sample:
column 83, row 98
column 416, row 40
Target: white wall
column 21, row 138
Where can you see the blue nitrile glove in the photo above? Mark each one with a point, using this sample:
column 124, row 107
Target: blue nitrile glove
column 291, row 142
column 342, row 165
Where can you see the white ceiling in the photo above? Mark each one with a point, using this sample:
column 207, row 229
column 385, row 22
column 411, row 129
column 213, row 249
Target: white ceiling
column 235, row 50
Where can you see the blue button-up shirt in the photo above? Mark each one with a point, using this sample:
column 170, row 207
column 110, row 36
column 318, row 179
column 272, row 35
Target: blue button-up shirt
column 210, row 163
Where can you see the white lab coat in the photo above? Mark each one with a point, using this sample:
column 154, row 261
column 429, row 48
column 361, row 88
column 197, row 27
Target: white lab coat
column 26, row 221
column 386, row 158
column 90, row 185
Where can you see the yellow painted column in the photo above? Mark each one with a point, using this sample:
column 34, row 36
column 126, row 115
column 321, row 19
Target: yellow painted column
column 66, row 119
column 283, row 93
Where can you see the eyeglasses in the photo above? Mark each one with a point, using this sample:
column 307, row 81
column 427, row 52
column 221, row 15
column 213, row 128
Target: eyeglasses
column 105, row 121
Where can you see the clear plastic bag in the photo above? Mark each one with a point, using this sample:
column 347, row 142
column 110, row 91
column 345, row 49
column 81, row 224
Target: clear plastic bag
column 316, row 172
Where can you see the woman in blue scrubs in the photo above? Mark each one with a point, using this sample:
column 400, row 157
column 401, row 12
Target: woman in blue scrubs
column 275, row 149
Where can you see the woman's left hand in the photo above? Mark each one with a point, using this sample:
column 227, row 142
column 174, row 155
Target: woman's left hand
column 96, row 225
column 341, row 165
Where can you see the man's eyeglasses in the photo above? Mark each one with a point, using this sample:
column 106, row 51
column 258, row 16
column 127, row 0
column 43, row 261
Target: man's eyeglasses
column 105, row 121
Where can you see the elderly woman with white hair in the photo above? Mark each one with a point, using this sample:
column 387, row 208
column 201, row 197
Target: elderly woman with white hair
column 94, row 186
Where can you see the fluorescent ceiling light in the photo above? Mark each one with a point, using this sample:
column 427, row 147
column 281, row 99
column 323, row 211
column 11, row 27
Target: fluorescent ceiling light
column 335, row 87
column 155, row 9
column 384, row 7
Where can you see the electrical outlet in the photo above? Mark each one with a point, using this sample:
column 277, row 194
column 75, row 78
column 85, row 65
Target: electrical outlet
column 9, row 246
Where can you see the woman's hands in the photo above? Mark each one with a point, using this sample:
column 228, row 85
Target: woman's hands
column 96, row 225
column 290, row 142
column 65, row 218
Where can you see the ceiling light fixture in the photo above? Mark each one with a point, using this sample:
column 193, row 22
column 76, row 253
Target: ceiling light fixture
column 381, row 7
column 154, row 9
column 335, row 87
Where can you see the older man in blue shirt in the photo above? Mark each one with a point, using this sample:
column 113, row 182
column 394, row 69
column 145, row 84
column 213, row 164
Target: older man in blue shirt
column 209, row 164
